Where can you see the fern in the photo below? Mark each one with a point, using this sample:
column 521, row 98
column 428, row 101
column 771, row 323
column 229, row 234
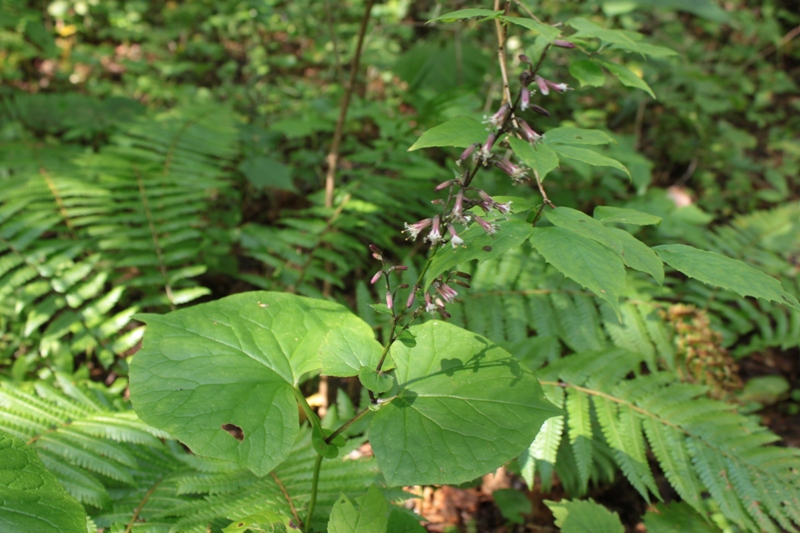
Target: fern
column 129, row 474
column 84, row 234
column 701, row 445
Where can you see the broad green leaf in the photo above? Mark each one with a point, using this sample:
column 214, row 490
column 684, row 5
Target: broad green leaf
column 579, row 222
column 627, row 78
column 466, row 14
column 464, row 407
column 264, row 172
column 584, row 516
column 588, row 156
column 234, row 363
column 31, row 498
column 677, row 517
column 371, row 517
column 480, row 246
column 540, row 158
column 403, row 521
column 622, row 39
column 459, row 132
column 721, row 271
column 545, row 30
column 702, row 8
column 374, row 381
column 623, row 215
column 343, row 353
column 587, row 73
column 583, row 260
column 262, row 521
column 638, row 256
column 577, row 136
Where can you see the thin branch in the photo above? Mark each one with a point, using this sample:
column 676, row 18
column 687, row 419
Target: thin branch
column 783, row 41
column 333, row 155
column 527, row 11
column 286, row 495
column 501, row 51
column 141, row 506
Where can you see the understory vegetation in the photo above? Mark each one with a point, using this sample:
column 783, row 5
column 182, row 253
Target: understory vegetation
column 399, row 266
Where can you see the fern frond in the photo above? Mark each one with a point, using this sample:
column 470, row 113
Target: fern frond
column 700, row 444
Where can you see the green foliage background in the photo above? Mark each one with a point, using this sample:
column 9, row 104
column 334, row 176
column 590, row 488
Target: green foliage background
column 155, row 155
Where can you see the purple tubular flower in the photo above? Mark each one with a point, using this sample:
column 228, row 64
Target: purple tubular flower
column 514, row 172
column 557, row 87
column 400, row 267
column 486, row 150
column 445, row 291
column 466, row 153
column 435, row 236
column 458, row 208
column 440, row 308
column 429, row 306
column 543, row 87
column 488, row 227
column 504, row 208
column 540, row 110
column 525, row 59
column 376, row 277
column 499, row 117
column 411, row 297
column 455, row 240
column 524, row 99
column 389, row 300
column 443, row 185
column 415, row 229
column 563, row 44
column 528, row 132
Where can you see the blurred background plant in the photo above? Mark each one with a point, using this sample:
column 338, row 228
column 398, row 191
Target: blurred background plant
column 156, row 154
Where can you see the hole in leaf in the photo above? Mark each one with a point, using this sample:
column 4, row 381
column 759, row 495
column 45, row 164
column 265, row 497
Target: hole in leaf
column 235, row 431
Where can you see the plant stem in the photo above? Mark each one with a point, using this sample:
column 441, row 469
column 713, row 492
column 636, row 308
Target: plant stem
column 346, row 425
column 313, row 502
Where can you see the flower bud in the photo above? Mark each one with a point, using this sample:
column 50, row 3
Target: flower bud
column 376, row 277
column 543, row 87
column 411, row 297
column 443, row 185
column 466, row 153
column 563, row 44
column 389, row 300
column 540, row 110
column 524, row 99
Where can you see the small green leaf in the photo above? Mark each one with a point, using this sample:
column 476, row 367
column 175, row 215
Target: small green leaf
column 588, row 156
column 377, row 383
column 371, row 517
column 721, row 271
column 513, row 505
column 584, row 517
column 31, row 498
column 577, row 136
column 407, row 338
column 480, row 246
column 583, row 260
column 381, row 309
column 466, row 14
column 234, row 361
column 318, row 436
column 545, row 30
column 540, row 158
column 457, row 393
column 627, row 78
column 459, row 132
column 587, row 73
column 344, row 351
column 622, row 215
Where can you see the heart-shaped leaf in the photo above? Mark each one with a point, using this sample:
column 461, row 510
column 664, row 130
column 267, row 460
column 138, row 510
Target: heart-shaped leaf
column 31, row 498
column 221, row 376
column 465, row 406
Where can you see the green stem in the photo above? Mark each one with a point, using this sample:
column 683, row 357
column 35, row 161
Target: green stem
column 313, row 502
column 313, row 419
column 346, row 425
